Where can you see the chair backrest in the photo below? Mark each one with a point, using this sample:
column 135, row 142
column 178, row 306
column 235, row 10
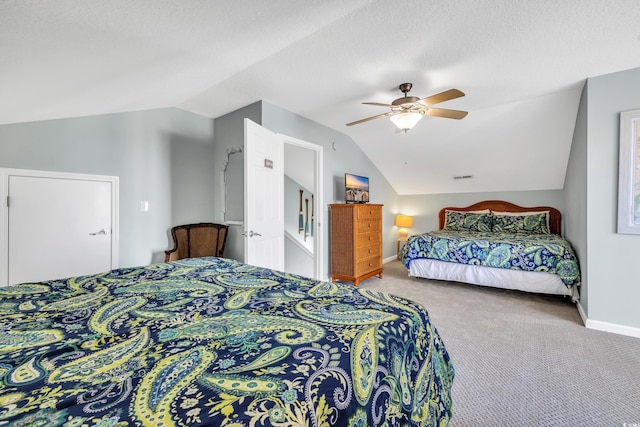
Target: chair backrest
column 197, row 240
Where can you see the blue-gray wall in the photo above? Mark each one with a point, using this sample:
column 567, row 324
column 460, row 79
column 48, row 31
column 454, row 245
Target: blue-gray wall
column 229, row 131
column 612, row 259
column 161, row 156
column 575, row 197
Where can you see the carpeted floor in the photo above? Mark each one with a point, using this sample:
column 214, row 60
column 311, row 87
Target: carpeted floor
column 523, row 359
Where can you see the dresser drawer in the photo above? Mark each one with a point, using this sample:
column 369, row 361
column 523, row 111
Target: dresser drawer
column 367, row 251
column 368, row 226
column 367, row 239
column 368, row 212
column 366, row 265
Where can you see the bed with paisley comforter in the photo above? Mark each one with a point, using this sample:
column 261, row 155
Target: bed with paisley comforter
column 210, row 341
column 499, row 244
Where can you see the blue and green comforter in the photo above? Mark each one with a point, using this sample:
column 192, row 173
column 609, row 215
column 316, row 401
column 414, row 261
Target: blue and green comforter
column 215, row 342
column 517, row 251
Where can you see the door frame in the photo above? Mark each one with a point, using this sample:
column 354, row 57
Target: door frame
column 5, row 173
column 318, row 191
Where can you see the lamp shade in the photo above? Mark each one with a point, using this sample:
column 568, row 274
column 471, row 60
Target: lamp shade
column 404, row 221
column 406, row 121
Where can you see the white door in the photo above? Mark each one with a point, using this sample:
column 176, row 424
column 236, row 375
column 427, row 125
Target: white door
column 60, row 226
column 264, row 197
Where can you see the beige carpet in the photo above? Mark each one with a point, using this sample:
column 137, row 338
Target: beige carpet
column 523, row 359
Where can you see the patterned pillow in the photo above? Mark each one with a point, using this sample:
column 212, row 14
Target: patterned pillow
column 521, row 222
column 467, row 221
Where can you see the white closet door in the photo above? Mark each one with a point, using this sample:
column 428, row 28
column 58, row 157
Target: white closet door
column 59, row 227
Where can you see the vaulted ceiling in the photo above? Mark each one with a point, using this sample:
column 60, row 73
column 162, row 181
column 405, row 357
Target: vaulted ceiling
column 521, row 63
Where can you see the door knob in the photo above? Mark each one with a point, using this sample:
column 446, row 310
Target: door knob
column 103, row 231
column 251, row 234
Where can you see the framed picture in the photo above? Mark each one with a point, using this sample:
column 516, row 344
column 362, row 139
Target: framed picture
column 629, row 173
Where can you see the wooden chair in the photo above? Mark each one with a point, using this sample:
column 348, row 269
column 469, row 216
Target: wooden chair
column 197, row 240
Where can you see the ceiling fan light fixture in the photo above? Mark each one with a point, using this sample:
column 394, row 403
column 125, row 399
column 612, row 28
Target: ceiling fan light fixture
column 406, row 121
column 407, row 111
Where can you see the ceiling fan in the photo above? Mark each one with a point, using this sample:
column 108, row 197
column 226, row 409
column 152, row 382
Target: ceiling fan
column 407, row 111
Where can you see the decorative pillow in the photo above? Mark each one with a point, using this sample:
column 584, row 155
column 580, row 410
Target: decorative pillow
column 467, row 221
column 521, row 222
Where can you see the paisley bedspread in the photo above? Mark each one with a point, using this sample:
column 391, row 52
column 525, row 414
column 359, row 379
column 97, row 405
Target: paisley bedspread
column 210, row 341
column 517, row 251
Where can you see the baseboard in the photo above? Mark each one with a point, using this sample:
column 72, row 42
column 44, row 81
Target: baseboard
column 606, row 326
column 583, row 315
column 391, row 258
column 613, row 327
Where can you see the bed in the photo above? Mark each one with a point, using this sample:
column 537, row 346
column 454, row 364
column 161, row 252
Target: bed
column 499, row 244
column 211, row 341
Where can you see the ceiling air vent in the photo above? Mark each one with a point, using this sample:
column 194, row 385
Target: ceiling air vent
column 463, row 177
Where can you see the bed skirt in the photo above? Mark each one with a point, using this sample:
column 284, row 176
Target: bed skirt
column 528, row 281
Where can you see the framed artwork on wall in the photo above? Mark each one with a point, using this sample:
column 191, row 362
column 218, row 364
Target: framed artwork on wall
column 629, row 173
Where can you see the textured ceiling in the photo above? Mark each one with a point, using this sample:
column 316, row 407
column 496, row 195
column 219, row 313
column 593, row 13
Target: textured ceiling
column 521, row 63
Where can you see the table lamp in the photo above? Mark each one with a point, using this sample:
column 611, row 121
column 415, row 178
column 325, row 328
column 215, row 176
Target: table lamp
column 404, row 222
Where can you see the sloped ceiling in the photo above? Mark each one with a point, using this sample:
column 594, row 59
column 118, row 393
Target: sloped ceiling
column 521, row 63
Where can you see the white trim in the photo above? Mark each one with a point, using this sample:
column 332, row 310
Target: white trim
column 318, row 241
column 391, row 258
column 583, row 315
column 4, row 211
column 606, row 326
column 613, row 327
column 298, row 244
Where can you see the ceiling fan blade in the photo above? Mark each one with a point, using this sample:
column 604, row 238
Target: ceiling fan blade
column 441, row 97
column 447, row 114
column 370, row 118
column 379, row 104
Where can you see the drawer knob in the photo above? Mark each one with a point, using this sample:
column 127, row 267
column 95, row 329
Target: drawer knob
column 369, row 225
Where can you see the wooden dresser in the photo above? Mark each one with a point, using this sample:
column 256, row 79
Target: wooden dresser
column 356, row 242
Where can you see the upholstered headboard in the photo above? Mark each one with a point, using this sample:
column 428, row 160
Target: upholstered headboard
column 555, row 218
